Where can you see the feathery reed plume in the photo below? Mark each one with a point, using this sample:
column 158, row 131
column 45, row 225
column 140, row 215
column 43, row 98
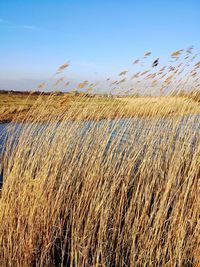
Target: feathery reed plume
column 136, row 61
column 83, row 84
column 176, row 54
column 121, row 81
column 63, row 67
column 147, row 54
column 155, row 63
column 58, row 81
column 41, row 85
column 122, row 73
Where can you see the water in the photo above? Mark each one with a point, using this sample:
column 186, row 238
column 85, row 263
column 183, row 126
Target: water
column 3, row 130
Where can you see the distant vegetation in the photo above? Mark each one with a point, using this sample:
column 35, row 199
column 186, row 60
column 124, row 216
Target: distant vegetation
column 194, row 95
column 16, row 106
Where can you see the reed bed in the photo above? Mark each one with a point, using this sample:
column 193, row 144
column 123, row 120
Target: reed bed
column 114, row 192
column 93, row 185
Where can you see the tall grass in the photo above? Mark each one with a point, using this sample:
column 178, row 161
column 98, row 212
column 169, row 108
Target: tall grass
column 92, row 185
column 121, row 192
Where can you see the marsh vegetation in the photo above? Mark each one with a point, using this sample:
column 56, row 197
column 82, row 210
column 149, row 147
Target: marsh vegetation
column 103, row 181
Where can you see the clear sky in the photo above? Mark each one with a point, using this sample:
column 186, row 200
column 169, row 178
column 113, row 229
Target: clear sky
column 98, row 37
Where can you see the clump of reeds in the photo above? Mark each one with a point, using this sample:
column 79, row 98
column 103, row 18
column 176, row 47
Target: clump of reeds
column 119, row 191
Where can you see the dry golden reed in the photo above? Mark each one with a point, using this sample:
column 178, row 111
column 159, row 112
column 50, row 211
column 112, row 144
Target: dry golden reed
column 93, row 185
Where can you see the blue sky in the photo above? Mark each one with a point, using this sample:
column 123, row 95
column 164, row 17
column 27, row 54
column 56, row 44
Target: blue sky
column 98, row 37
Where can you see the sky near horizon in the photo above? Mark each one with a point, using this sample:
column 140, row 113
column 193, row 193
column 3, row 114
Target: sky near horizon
column 98, row 37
